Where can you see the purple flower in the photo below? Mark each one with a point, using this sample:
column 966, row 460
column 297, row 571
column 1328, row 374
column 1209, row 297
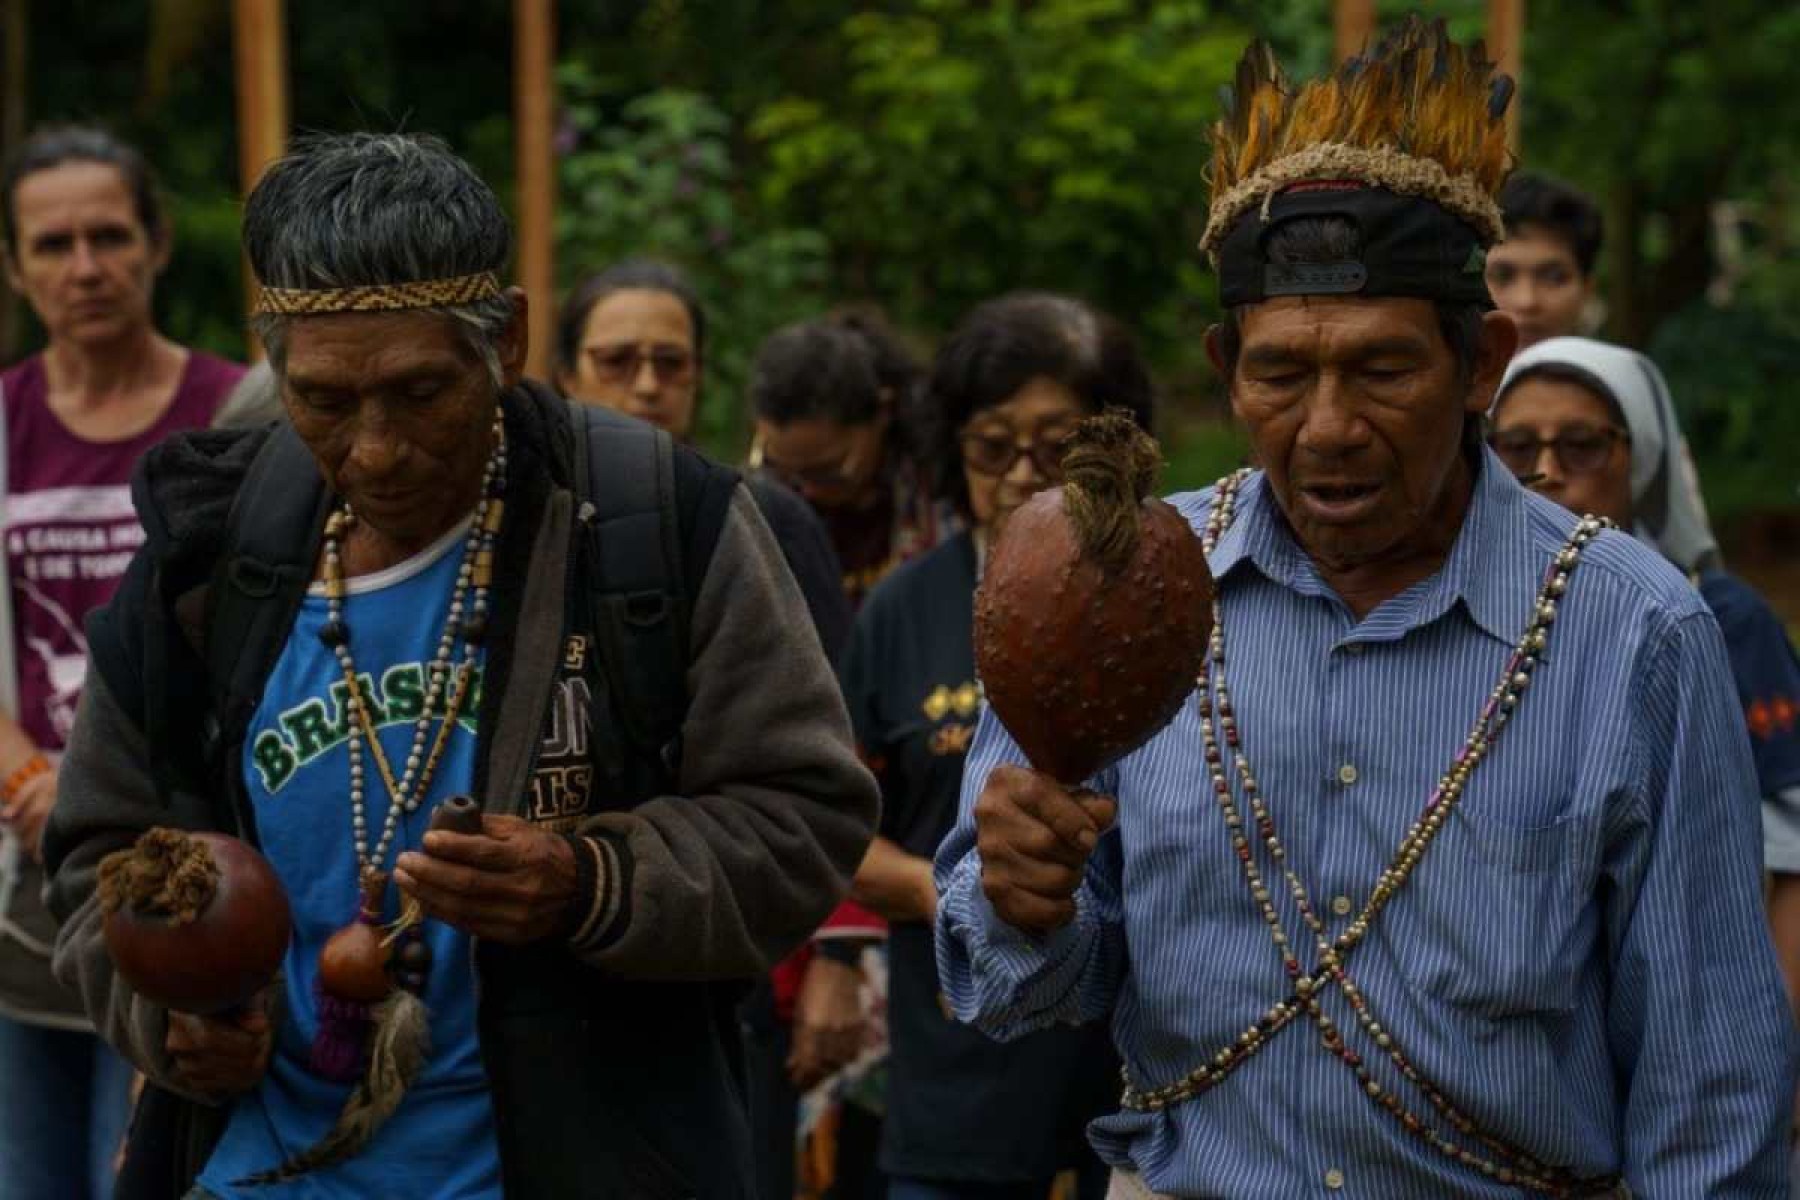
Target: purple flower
column 685, row 187
column 718, row 235
column 566, row 138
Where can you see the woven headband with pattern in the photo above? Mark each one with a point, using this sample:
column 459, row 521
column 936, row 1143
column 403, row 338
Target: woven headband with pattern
column 378, row 297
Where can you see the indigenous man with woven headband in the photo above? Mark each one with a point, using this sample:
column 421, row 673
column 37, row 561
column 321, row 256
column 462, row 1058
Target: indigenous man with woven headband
column 1445, row 881
column 436, row 580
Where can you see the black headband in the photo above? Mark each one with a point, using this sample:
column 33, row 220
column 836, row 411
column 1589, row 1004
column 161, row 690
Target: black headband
column 1409, row 247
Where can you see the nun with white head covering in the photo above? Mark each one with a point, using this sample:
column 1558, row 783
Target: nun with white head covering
column 1595, row 397
column 1591, row 426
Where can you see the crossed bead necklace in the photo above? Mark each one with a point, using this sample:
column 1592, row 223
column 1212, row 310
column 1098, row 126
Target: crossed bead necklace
column 1218, row 722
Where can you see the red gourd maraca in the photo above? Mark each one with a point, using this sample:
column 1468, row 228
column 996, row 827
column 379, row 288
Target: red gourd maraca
column 1095, row 608
column 195, row 922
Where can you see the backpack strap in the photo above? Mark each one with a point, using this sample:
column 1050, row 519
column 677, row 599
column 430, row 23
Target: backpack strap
column 626, row 470
column 260, row 579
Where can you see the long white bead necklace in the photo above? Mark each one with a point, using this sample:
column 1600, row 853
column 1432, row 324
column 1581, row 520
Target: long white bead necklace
column 446, row 687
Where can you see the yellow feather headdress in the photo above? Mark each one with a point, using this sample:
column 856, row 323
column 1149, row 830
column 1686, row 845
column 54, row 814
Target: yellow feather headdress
column 1418, row 115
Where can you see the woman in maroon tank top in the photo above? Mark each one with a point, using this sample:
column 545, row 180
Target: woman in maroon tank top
column 85, row 240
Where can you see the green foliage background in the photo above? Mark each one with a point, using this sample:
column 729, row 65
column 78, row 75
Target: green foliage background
column 924, row 154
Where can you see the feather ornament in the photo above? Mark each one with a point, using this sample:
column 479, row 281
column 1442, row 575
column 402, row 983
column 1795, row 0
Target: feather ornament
column 1415, row 95
column 397, row 1052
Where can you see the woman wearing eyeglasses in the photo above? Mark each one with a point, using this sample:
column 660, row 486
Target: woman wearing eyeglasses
column 630, row 339
column 1591, row 426
column 832, row 400
column 966, row 1116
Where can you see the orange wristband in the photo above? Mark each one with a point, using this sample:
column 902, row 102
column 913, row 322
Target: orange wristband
column 34, row 766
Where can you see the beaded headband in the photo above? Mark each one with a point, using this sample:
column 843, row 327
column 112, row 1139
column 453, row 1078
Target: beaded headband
column 1382, row 167
column 378, row 297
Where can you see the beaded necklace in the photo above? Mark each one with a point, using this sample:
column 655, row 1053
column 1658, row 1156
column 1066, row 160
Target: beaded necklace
column 466, row 619
column 1509, row 1164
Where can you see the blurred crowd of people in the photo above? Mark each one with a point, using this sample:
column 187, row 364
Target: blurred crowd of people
column 885, row 476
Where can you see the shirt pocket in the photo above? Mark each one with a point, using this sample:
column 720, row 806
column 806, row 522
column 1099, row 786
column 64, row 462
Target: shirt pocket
column 1498, row 919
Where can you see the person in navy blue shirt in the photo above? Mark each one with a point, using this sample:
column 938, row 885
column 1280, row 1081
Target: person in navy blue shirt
column 966, row 1116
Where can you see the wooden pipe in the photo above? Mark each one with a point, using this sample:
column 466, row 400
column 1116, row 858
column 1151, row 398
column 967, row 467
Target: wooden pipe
column 457, row 814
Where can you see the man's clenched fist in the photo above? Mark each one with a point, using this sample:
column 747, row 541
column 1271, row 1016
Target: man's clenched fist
column 1035, row 837
column 221, row 1056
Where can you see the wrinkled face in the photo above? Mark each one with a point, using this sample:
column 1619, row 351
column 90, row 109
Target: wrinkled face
column 1571, row 440
column 835, row 466
column 399, row 413
column 82, row 259
column 1534, row 276
column 1012, row 451
column 1355, row 411
column 637, row 355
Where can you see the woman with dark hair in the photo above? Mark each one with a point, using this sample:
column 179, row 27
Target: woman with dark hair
column 85, row 240
column 633, row 338
column 832, row 400
column 966, row 1116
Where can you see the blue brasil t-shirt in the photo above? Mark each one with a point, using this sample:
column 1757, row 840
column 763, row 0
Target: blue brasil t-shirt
column 440, row 1142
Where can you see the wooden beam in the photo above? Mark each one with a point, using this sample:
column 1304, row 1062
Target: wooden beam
column 1353, row 24
column 534, row 116
column 1506, row 46
column 14, row 29
column 259, row 53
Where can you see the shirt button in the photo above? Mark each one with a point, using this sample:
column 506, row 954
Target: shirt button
column 1347, row 774
column 1334, row 1179
column 1340, row 905
column 1354, row 648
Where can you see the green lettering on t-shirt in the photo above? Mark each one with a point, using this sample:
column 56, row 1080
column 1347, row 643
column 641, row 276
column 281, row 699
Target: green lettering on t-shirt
column 340, row 703
column 403, row 687
column 471, row 706
column 310, row 727
column 274, row 761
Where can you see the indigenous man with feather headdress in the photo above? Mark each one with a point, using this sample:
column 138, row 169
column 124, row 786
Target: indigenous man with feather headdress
column 1445, row 880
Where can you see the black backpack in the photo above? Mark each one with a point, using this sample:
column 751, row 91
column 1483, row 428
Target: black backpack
column 629, row 513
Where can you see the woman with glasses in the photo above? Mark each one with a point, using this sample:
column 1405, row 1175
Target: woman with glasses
column 1591, row 426
column 630, row 338
column 832, row 399
column 969, row 1117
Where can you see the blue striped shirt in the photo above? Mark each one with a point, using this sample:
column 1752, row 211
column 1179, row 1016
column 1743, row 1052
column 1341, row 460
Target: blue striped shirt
column 1580, row 960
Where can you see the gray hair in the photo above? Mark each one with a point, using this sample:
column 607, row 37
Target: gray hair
column 254, row 401
column 361, row 209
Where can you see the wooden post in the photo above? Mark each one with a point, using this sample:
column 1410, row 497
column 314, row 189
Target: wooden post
column 1506, row 45
column 1353, row 22
column 534, row 116
column 13, row 31
column 259, row 52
